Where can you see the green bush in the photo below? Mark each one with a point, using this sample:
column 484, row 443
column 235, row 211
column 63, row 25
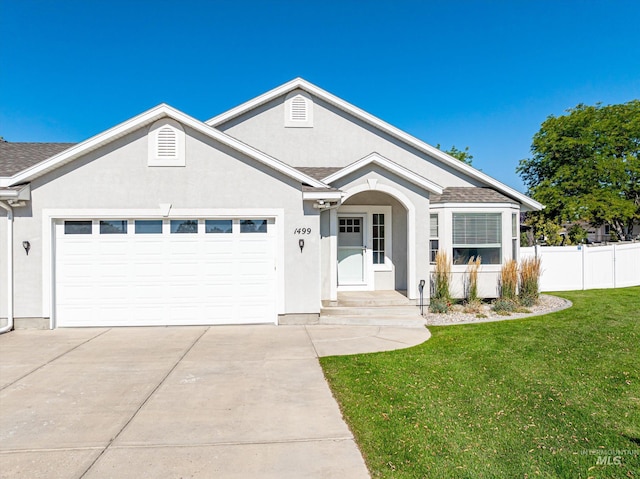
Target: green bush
column 439, row 305
column 505, row 306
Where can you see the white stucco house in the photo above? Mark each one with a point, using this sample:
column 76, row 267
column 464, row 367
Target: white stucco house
column 261, row 214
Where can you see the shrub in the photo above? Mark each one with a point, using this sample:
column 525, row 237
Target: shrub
column 577, row 234
column 473, row 306
column 504, row 306
column 472, row 268
column 530, row 271
column 439, row 305
column 442, row 277
column 509, row 281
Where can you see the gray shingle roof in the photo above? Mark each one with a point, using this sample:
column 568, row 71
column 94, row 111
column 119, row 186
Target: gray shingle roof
column 318, row 173
column 462, row 194
column 15, row 157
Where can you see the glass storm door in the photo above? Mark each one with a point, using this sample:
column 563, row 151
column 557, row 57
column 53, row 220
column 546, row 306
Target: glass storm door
column 351, row 250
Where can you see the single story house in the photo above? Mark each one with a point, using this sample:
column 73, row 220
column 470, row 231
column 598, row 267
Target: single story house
column 261, row 214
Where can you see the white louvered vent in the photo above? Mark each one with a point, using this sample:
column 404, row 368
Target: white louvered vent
column 299, row 109
column 167, row 143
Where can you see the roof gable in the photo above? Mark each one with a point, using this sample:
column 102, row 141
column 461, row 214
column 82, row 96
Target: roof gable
column 299, row 83
column 70, row 154
column 401, row 171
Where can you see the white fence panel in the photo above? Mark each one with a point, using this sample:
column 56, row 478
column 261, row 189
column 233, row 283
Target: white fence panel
column 627, row 261
column 566, row 268
column 598, row 267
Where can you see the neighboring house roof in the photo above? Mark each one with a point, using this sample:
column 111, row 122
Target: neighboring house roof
column 471, row 194
column 299, row 83
column 161, row 111
column 15, row 157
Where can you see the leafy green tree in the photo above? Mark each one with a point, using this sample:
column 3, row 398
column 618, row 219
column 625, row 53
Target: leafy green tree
column 462, row 155
column 586, row 166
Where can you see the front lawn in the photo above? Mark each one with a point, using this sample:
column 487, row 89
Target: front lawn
column 549, row 396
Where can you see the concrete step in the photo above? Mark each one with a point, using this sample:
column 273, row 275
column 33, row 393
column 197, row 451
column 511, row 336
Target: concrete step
column 381, row 311
column 416, row 321
column 364, row 299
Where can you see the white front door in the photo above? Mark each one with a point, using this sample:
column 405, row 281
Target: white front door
column 352, row 250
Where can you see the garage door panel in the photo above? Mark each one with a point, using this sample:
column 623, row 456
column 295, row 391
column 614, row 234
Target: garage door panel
column 164, row 279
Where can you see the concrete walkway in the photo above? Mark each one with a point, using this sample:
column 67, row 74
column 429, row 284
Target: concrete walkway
column 197, row 402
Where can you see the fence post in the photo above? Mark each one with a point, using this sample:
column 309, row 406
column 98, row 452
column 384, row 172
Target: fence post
column 582, row 250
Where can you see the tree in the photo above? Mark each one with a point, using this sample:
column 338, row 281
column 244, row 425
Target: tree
column 462, row 155
column 586, row 166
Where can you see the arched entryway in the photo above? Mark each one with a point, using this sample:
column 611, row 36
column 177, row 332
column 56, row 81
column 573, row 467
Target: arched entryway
column 375, row 240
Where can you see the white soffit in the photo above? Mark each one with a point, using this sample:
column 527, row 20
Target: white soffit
column 380, row 124
column 388, row 165
column 147, row 118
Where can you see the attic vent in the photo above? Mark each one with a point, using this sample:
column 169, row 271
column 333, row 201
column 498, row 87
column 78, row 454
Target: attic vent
column 167, row 143
column 299, row 109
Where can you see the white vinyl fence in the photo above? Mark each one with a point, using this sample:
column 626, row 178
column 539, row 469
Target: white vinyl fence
column 566, row 268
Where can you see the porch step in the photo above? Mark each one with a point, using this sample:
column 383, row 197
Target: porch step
column 363, row 299
column 416, row 321
column 381, row 311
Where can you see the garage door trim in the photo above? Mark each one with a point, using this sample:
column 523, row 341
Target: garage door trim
column 50, row 216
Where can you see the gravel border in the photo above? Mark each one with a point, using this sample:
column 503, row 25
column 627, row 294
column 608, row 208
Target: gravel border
column 546, row 304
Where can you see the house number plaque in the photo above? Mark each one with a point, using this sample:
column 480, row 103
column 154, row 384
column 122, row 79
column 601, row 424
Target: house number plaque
column 302, row 231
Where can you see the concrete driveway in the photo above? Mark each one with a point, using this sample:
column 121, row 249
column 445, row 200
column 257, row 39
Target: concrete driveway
column 179, row 402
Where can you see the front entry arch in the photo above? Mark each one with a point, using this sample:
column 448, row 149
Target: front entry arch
column 410, row 211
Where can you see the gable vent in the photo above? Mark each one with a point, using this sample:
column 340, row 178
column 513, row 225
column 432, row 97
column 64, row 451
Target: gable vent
column 167, row 143
column 299, row 109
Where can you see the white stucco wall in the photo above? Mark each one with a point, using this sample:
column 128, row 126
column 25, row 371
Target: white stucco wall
column 215, row 177
column 336, row 139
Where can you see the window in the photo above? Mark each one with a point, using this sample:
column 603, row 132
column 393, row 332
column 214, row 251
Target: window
column 378, row 238
column 184, row 226
column 434, row 241
column 218, row 226
column 253, row 226
column 166, row 144
column 514, row 236
column 298, row 110
column 148, row 227
column 113, row 227
column 77, row 227
column 477, row 234
column 350, row 225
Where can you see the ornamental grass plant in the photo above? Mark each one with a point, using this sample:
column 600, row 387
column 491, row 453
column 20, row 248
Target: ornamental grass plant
column 441, row 281
column 474, row 303
column 529, row 277
column 509, row 281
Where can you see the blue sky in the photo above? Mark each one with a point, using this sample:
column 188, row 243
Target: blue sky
column 482, row 74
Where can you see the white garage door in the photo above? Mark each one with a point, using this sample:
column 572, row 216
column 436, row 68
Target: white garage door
column 165, row 272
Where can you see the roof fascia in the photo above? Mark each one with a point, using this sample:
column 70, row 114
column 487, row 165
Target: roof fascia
column 148, row 117
column 389, row 165
column 380, row 124
column 319, row 195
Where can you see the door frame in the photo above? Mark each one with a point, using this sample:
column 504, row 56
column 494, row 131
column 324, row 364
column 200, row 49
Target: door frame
column 367, row 212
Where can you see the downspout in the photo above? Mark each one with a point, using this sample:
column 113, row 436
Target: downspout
column 9, row 325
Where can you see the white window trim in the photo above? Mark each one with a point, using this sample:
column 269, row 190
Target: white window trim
column 446, row 228
column 50, row 216
column 289, row 121
column 153, row 159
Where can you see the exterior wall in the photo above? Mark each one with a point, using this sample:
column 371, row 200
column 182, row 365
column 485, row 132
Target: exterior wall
column 3, row 263
column 336, row 139
column 215, row 178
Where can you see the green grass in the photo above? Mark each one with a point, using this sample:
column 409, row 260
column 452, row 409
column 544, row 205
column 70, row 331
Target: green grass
column 522, row 398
